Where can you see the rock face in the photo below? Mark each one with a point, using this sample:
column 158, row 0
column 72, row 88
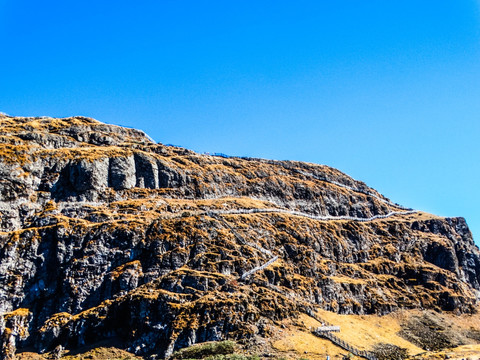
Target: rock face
column 122, row 172
column 105, row 234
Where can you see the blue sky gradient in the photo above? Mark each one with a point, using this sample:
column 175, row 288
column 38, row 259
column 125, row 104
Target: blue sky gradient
column 386, row 91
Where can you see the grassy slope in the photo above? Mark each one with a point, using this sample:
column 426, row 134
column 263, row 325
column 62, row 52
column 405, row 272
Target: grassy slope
column 365, row 331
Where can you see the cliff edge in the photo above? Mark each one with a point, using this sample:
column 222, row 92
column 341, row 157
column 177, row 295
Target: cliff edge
column 105, row 234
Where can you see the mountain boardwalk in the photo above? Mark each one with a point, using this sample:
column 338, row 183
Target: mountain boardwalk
column 326, row 331
column 322, row 329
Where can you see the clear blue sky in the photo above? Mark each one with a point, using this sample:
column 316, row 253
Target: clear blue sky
column 386, row 91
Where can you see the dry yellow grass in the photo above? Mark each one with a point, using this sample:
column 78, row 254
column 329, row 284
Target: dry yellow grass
column 18, row 312
column 364, row 332
column 464, row 352
column 296, row 344
column 347, row 280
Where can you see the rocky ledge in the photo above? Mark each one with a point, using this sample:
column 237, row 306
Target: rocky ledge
column 105, row 234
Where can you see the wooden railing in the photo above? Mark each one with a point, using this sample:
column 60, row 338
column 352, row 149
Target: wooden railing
column 336, row 340
column 344, row 345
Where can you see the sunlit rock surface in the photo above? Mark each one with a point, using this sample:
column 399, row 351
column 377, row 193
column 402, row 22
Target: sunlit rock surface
column 108, row 235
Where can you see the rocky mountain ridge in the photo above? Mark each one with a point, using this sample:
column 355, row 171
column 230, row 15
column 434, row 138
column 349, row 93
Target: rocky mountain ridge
column 105, row 234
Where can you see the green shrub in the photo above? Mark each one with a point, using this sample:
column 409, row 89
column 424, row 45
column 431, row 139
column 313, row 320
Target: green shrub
column 209, row 349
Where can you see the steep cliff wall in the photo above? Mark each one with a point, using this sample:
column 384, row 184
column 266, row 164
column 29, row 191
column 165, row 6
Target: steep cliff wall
column 106, row 235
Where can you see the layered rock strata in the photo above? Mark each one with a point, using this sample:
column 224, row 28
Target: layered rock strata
column 105, row 234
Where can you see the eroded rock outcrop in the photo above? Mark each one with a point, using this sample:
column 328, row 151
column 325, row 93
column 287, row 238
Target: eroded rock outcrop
column 122, row 173
column 106, row 235
column 86, row 175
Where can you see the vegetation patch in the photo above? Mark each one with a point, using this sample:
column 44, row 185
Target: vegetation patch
column 384, row 351
column 207, row 350
column 430, row 332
